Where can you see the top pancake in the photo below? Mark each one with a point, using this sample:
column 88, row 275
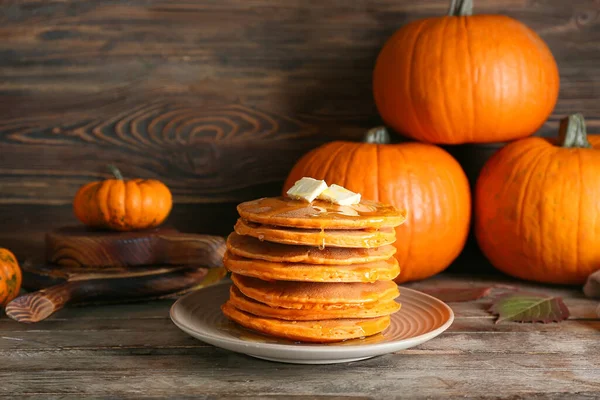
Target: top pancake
column 284, row 211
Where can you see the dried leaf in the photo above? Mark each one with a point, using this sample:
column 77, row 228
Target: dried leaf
column 529, row 307
column 455, row 295
column 592, row 286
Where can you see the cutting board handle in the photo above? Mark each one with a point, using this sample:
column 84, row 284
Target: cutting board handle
column 36, row 306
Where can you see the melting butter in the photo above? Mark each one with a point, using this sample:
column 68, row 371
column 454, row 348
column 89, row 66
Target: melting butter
column 307, row 189
column 340, row 195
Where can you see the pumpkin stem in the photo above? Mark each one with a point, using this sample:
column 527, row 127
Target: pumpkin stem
column 572, row 132
column 377, row 135
column 115, row 171
column 460, row 8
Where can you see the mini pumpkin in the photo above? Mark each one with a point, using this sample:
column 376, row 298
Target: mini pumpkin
column 123, row 205
column 537, row 206
column 420, row 178
column 465, row 78
column 10, row 276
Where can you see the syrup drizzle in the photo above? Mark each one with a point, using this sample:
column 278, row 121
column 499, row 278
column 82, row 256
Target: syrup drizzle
column 322, row 239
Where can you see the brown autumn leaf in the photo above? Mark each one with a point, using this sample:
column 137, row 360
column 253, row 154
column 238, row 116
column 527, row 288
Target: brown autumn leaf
column 529, row 307
column 456, row 295
column 592, row 285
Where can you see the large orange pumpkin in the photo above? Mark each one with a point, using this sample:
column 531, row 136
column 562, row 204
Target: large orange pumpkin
column 465, row 78
column 537, row 206
column 123, row 205
column 10, row 276
column 421, row 178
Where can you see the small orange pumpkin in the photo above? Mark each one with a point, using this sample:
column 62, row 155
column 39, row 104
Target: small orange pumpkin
column 123, row 205
column 537, row 206
column 420, row 178
column 465, row 78
column 10, row 277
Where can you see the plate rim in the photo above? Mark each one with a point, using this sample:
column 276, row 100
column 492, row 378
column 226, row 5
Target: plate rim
column 314, row 348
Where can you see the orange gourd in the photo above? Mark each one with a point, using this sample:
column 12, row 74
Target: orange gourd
column 465, row 78
column 421, row 178
column 10, row 277
column 537, row 206
column 123, row 205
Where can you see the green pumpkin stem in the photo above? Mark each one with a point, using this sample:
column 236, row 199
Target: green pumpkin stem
column 460, row 8
column 377, row 135
column 115, row 171
column 572, row 132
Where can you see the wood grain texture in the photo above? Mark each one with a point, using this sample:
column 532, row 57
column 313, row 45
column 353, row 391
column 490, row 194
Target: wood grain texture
column 79, row 247
column 191, row 148
column 134, row 351
column 218, row 99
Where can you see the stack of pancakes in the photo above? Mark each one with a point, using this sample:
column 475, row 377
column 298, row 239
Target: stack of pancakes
column 313, row 272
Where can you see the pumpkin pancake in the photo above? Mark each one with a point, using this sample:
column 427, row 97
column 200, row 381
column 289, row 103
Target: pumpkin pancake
column 315, row 295
column 269, row 270
column 316, row 237
column 321, row 331
column 241, row 302
column 250, row 247
column 284, row 211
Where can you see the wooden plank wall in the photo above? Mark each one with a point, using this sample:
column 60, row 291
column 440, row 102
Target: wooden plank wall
column 217, row 98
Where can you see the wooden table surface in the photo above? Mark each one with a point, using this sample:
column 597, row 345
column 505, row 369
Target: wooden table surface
column 135, row 351
column 219, row 99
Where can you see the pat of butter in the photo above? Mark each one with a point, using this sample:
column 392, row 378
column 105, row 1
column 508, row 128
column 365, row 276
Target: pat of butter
column 307, row 189
column 340, row 195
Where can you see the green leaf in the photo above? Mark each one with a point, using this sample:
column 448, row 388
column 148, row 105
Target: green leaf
column 529, row 307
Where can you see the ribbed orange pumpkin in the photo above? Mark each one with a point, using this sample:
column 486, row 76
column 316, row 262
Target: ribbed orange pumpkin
column 10, row 276
column 465, row 79
column 123, row 205
column 421, row 178
column 537, row 206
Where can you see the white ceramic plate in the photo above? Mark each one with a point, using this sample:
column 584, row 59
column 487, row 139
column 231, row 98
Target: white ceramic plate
column 420, row 319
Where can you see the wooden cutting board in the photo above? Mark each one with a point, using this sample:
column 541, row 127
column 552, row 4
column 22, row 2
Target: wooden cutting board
column 53, row 287
column 78, row 247
column 86, row 266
